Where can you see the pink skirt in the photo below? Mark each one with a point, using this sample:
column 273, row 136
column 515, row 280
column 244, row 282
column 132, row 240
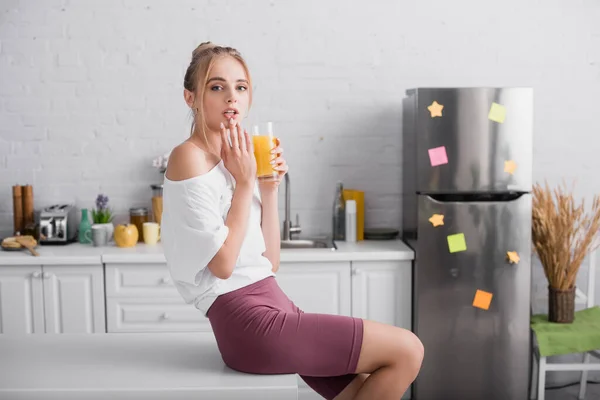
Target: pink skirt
column 260, row 331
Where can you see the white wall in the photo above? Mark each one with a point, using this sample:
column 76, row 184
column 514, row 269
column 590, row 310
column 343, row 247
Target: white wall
column 91, row 91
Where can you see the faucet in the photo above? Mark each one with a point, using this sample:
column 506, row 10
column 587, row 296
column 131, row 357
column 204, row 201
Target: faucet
column 288, row 227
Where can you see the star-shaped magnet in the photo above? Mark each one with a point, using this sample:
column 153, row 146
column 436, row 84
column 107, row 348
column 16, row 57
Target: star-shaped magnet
column 437, row 219
column 435, row 109
column 513, row 257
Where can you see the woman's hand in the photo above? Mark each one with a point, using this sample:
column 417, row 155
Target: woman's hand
column 279, row 165
column 238, row 157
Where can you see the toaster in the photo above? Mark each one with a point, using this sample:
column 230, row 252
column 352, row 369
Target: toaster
column 58, row 224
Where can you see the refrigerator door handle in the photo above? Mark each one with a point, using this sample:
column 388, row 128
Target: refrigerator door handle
column 442, row 198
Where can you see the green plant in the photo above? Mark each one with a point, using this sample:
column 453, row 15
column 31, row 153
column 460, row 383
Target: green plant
column 102, row 214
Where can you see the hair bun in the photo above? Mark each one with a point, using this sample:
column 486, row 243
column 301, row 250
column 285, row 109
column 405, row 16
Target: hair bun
column 202, row 47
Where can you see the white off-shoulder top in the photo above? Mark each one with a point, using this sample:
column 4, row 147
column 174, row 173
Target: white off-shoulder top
column 193, row 230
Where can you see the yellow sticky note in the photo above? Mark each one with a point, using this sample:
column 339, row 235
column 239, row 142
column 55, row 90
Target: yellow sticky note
column 497, row 113
column 457, row 242
column 482, row 299
column 510, row 166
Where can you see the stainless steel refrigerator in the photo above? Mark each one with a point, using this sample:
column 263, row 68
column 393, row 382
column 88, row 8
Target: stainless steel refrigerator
column 467, row 179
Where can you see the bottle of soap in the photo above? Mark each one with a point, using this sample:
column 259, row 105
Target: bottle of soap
column 350, row 220
column 339, row 214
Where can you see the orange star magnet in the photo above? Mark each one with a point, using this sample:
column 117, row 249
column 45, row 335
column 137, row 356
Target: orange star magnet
column 435, row 109
column 510, row 166
column 437, row 219
column 513, row 257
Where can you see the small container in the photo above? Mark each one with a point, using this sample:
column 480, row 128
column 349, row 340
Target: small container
column 137, row 216
column 350, row 221
column 157, row 202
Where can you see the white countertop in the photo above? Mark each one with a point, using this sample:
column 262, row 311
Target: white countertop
column 80, row 254
column 128, row 365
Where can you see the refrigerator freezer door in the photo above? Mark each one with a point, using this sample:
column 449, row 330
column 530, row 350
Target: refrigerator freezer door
column 471, row 352
column 481, row 143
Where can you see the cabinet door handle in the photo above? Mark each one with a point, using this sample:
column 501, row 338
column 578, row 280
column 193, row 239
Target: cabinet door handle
column 36, row 274
column 165, row 316
column 356, row 271
column 166, row 280
column 47, row 275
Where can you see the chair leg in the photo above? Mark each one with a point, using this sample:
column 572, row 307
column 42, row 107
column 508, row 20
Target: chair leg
column 541, row 388
column 534, row 375
column 584, row 376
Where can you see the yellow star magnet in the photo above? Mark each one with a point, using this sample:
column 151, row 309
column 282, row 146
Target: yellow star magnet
column 437, row 219
column 435, row 109
column 513, row 257
column 510, row 166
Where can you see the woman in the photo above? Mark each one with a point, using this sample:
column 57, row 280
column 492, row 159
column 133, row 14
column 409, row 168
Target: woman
column 220, row 231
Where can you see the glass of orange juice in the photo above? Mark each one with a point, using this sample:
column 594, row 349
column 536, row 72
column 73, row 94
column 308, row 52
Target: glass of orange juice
column 263, row 144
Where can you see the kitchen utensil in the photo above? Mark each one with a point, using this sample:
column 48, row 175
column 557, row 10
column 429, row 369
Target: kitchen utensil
column 381, row 234
column 18, row 222
column 27, row 206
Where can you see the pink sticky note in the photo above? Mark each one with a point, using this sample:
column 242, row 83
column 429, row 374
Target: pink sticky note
column 438, row 156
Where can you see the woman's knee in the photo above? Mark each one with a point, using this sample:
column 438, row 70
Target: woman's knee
column 411, row 351
column 389, row 346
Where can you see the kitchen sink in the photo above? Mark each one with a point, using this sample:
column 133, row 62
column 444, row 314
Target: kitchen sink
column 308, row 244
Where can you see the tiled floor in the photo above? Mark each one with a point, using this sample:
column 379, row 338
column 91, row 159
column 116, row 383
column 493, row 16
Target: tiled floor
column 571, row 393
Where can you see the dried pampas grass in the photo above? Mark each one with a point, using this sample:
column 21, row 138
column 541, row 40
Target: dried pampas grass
column 562, row 233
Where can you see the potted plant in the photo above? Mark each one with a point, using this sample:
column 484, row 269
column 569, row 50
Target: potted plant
column 563, row 233
column 102, row 215
column 161, row 162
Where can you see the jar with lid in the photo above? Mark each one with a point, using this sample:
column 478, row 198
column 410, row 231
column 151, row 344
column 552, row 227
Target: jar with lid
column 137, row 217
column 157, row 203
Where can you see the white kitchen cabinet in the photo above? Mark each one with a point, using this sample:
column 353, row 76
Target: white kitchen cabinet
column 382, row 292
column 74, row 299
column 141, row 297
column 21, row 300
column 322, row 287
column 52, row 299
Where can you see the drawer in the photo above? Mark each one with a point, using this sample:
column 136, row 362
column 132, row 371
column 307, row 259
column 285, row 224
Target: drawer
column 153, row 315
column 139, row 280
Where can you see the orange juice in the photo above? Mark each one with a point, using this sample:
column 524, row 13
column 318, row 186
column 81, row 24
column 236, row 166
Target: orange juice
column 263, row 144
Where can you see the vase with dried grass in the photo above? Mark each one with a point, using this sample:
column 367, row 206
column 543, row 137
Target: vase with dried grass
column 563, row 233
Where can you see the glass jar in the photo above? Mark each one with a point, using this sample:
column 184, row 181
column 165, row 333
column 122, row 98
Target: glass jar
column 157, row 202
column 137, row 217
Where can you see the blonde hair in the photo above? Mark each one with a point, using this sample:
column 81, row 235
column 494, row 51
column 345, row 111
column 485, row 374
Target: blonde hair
column 203, row 59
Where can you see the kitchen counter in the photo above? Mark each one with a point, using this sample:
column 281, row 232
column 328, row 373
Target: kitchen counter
column 79, row 254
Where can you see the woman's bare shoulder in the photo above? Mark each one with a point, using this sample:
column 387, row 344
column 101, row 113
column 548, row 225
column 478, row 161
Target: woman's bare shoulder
column 188, row 161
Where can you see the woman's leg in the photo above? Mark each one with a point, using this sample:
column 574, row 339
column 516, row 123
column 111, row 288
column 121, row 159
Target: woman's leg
column 392, row 356
column 350, row 391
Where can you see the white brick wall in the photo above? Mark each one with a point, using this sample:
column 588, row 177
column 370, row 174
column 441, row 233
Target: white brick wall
column 91, row 91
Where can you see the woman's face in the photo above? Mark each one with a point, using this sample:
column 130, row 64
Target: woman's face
column 226, row 94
